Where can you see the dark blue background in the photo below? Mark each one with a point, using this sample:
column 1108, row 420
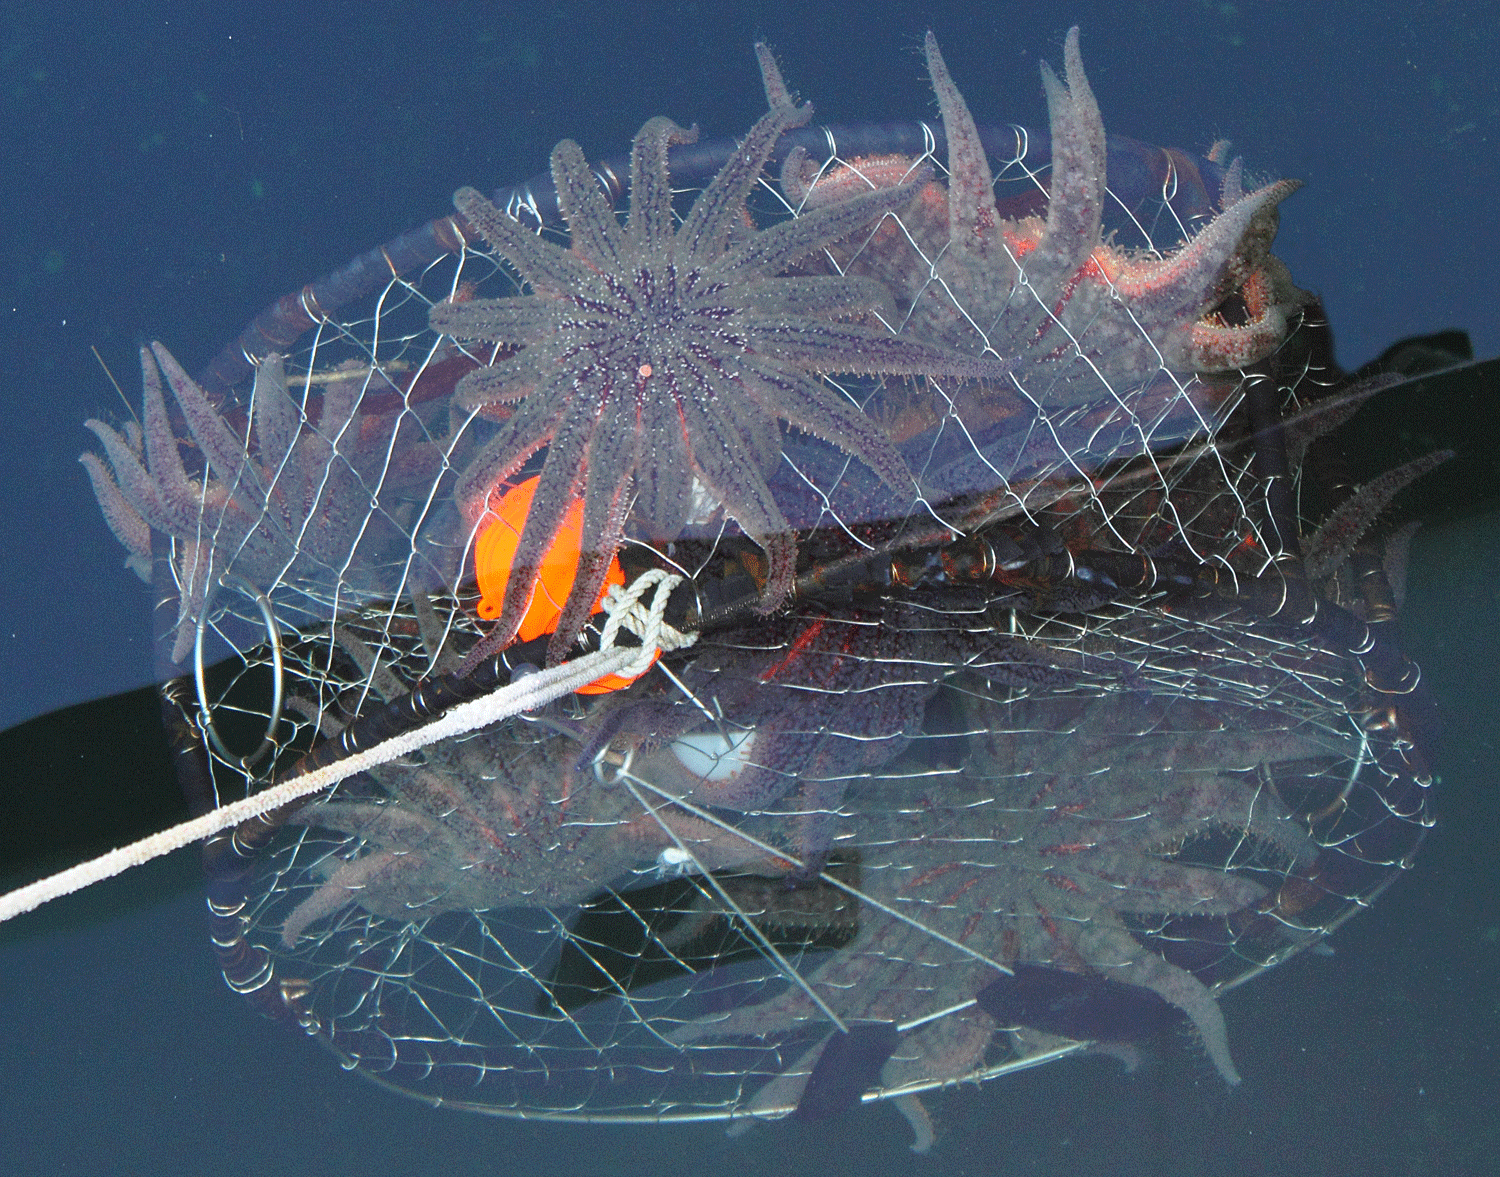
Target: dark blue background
column 166, row 175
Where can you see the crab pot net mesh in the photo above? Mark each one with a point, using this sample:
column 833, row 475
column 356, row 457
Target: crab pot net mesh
column 1101, row 695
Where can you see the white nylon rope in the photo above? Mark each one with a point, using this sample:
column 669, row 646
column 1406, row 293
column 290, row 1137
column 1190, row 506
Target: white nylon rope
column 623, row 609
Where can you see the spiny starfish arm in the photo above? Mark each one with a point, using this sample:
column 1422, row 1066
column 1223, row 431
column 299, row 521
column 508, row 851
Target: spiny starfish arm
column 777, row 94
column 340, row 404
column 500, row 383
column 1075, row 193
column 1269, row 821
column 175, row 492
column 774, row 249
column 1232, row 187
column 663, row 482
column 651, row 225
column 818, row 298
column 523, row 433
column 1260, row 231
column 1197, row 277
column 557, row 487
column 595, row 233
column 541, row 263
column 971, row 190
column 1191, row 996
column 865, row 351
column 224, row 451
column 1322, row 417
column 712, row 380
column 131, row 481
column 612, row 459
column 705, row 233
column 1338, row 535
column 125, row 520
column 738, row 485
column 391, row 827
column 494, row 320
column 811, row 405
column 336, row 893
column 275, row 416
column 1155, row 886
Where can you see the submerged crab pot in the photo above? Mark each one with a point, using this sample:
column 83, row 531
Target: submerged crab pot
column 1011, row 652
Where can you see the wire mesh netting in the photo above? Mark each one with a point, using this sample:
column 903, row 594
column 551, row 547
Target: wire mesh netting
column 1087, row 714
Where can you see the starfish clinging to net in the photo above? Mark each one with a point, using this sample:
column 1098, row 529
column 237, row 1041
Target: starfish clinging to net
column 271, row 503
column 1076, row 314
column 1117, row 738
column 652, row 355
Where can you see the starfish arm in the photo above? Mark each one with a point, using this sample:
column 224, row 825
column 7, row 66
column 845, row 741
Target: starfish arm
column 127, row 523
column 224, row 451
column 276, row 418
column 558, row 486
column 1075, row 196
column 865, row 351
column 521, row 435
column 810, row 404
column 705, row 233
column 773, row 249
column 541, row 263
column 175, row 492
column 1322, row 417
column 1196, row 278
column 971, row 187
column 717, row 456
column 342, row 888
column 612, row 460
column 818, row 297
column 1337, row 537
column 664, row 472
column 340, row 404
column 651, row 225
column 1232, row 188
column 1191, row 996
column 131, row 481
column 1155, row 886
column 777, row 94
column 591, row 221
column 495, row 320
column 390, row 827
column 504, row 382
column 756, row 424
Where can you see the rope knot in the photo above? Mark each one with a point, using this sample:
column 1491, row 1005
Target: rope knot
column 624, row 609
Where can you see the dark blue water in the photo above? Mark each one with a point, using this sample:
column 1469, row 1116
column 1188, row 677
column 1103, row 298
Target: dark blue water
column 165, row 176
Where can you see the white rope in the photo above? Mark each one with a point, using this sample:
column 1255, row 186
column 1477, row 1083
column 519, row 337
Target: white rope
column 623, row 609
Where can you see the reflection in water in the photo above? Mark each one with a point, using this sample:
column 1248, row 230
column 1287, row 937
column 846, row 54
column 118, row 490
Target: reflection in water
column 1081, row 666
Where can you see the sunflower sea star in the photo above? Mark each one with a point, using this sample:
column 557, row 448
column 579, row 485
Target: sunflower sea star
column 651, row 354
column 1017, row 759
column 1078, row 317
column 286, row 505
column 1023, row 856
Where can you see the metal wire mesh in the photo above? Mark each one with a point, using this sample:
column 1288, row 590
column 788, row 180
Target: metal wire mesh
column 663, row 902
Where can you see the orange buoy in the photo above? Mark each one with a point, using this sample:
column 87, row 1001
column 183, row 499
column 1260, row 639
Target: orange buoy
column 495, row 551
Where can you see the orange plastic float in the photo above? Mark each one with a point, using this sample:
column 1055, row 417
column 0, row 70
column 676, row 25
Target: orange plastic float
column 494, row 553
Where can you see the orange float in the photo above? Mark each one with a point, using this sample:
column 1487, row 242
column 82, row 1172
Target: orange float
column 495, row 551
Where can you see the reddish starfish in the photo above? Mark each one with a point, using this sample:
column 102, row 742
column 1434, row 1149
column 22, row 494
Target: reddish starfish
column 1076, row 317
